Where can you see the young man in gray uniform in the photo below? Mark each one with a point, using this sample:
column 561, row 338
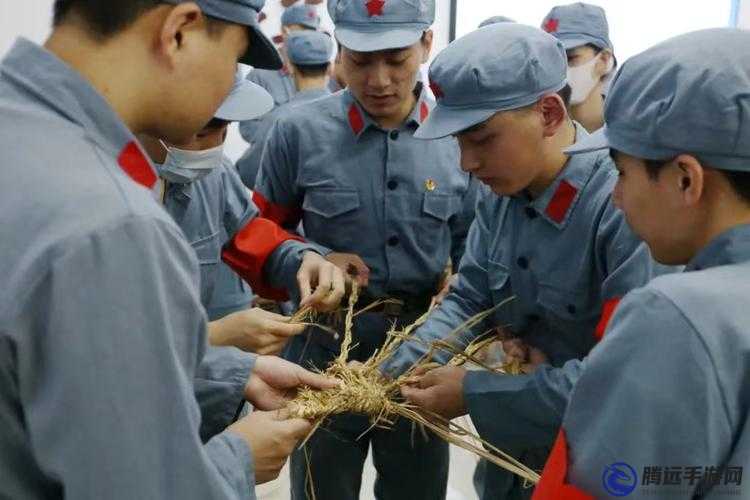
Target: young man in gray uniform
column 393, row 207
column 280, row 83
column 103, row 379
column 661, row 408
column 309, row 54
column 547, row 236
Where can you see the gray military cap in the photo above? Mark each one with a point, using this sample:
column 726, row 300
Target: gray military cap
column 578, row 24
column 372, row 25
column 304, row 15
column 261, row 53
column 689, row 94
column 496, row 68
column 495, row 20
column 309, row 48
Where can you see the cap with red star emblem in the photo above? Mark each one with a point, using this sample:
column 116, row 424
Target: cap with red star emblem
column 374, row 25
column 302, row 15
column 578, row 24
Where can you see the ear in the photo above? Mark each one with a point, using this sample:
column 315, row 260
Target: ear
column 553, row 113
column 179, row 19
column 426, row 42
column 690, row 179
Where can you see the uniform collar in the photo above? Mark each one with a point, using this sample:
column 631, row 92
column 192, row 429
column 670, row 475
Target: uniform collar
column 730, row 247
column 60, row 88
column 557, row 203
column 310, row 94
column 359, row 120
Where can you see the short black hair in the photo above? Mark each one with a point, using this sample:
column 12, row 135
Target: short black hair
column 738, row 180
column 312, row 70
column 111, row 17
column 565, row 94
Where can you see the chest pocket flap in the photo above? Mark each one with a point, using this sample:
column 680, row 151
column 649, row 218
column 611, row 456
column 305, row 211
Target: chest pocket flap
column 331, row 203
column 440, row 206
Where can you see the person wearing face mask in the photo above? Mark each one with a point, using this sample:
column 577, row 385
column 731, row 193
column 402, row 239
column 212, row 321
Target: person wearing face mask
column 201, row 190
column 584, row 32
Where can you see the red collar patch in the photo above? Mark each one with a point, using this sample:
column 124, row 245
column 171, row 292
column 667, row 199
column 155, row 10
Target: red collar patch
column 375, row 7
column 551, row 25
column 356, row 122
column 424, row 111
column 560, row 203
column 133, row 163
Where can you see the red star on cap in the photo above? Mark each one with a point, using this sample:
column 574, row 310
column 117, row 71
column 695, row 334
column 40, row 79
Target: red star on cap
column 551, row 25
column 375, row 7
column 311, row 14
column 436, row 90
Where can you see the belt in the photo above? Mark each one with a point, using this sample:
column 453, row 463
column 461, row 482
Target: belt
column 395, row 304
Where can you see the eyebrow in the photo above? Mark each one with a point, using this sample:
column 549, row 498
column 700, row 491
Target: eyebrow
column 474, row 128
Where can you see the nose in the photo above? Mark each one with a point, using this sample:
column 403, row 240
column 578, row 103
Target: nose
column 469, row 159
column 379, row 77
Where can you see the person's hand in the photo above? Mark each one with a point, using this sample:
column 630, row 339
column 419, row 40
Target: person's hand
column 271, row 438
column 438, row 391
column 253, row 330
column 325, row 278
column 445, row 288
column 520, row 354
column 274, row 382
column 352, row 265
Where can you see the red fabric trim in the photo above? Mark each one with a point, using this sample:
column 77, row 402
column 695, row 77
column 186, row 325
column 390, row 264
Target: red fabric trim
column 437, row 91
column 278, row 39
column 133, row 163
column 375, row 7
column 607, row 311
column 551, row 25
column 283, row 216
column 249, row 250
column 561, row 201
column 552, row 485
column 356, row 122
column 424, row 111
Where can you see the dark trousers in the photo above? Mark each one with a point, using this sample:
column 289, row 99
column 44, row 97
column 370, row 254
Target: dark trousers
column 409, row 465
column 493, row 483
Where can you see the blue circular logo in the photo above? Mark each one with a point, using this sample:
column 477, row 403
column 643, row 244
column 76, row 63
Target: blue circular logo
column 619, row 479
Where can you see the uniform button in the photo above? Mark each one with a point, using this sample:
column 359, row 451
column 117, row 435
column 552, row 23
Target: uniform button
column 523, row 262
column 392, row 185
column 571, row 309
column 394, row 135
column 531, row 213
column 393, row 241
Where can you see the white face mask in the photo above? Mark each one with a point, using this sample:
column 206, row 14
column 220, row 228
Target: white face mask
column 182, row 166
column 582, row 79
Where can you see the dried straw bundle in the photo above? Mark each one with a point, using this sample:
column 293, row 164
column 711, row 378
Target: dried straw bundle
column 364, row 391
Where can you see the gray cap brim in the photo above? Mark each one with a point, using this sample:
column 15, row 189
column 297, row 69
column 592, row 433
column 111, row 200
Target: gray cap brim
column 444, row 121
column 594, row 142
column 246, row 102
column 262, row 53
column 373, row 41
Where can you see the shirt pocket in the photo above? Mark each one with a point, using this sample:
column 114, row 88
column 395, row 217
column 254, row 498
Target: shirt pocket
column 331, row 217
column 434, row 230
column 208, row 250
column 567, row 304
